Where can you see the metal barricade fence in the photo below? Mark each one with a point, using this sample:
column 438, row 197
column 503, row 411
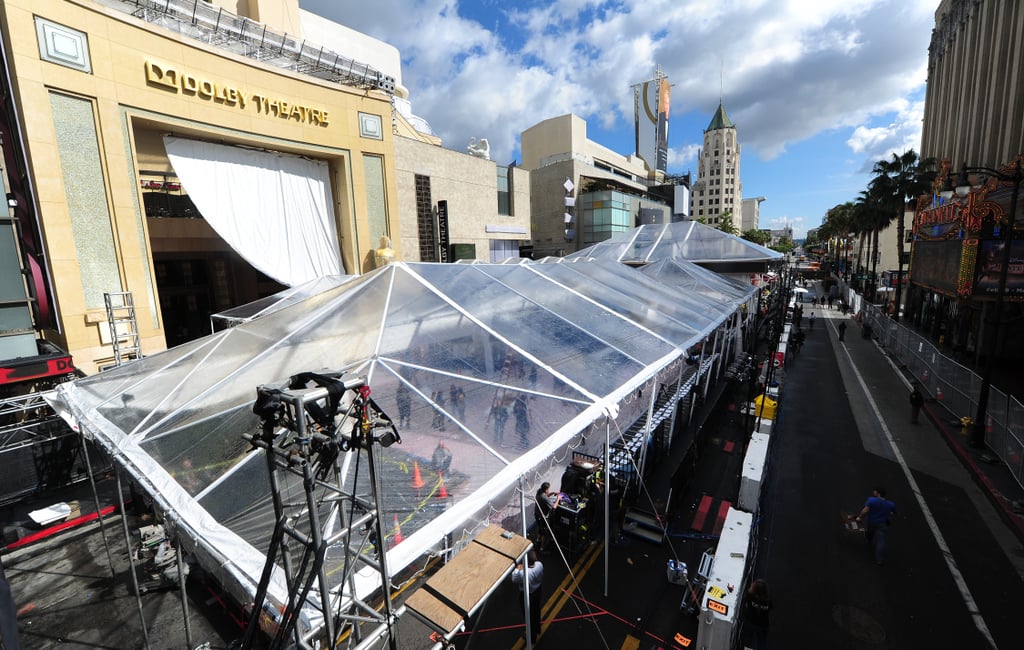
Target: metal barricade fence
column 953, row 385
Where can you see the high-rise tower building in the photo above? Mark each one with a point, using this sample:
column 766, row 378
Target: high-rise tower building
column 718, row 189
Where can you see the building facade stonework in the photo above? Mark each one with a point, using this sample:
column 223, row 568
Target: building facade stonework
column 974, row 102
column 718, row 188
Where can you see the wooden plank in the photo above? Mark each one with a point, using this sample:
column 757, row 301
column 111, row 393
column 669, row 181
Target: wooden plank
column 470, row 575
column 458, row 587
column 702, row 513
column 511, row 547
column 433, row 611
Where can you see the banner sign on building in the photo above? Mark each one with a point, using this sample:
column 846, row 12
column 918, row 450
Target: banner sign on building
column 990, row 264
column 442, row 232
column 651, row 108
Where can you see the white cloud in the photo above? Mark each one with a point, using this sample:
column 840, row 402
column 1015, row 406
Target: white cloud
column 903, row 133
column 787, row 70
column 683, row 157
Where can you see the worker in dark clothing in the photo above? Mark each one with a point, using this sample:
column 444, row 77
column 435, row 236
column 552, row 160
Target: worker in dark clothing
column 916, row 402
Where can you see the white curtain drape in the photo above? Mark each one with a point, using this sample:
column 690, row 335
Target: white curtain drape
column 274, row 209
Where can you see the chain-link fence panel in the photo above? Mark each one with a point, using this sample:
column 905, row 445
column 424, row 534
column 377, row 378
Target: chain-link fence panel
column 952, row 385
column 1014, row 457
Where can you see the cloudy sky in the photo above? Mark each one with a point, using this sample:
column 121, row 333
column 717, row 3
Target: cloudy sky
column 818, row 89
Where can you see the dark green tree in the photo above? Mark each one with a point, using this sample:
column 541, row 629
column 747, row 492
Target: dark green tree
column 726, row 225
column 758, row 236
column 898, row 183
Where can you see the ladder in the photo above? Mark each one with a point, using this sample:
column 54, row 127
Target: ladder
column 124, row 327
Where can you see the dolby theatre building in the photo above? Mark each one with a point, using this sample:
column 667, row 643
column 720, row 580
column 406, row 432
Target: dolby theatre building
column 158, row 148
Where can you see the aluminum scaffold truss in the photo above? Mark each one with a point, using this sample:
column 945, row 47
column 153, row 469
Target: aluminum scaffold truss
column 311, row 427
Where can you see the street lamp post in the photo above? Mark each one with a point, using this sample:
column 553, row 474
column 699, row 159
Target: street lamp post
column 899, row 262
column 963, row 188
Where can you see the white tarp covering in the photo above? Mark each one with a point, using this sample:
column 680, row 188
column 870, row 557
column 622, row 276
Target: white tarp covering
column 274, row 209
column 561, row 346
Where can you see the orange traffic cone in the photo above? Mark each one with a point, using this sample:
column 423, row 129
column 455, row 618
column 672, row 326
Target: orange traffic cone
column 938, row 393
column 397, row 539
column 417, row 480
column 988, row 423
column 442, row 493
column 924, row 377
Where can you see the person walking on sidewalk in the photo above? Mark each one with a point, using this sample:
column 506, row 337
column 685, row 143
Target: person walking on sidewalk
column 916, row 402
column 842, row 331
column 878, row 511
column 810, row 319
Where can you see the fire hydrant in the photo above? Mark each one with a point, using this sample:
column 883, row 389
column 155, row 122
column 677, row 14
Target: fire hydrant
column 966, row 423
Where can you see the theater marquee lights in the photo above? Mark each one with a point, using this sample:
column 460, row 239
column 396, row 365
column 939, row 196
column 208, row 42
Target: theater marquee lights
column 172, row 78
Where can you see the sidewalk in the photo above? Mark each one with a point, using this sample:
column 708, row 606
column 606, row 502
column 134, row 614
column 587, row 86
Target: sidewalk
column 992, row 475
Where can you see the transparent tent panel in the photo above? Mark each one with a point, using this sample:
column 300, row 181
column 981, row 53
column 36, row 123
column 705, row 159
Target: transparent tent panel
column 241, row 501
column 696, row 278
column 110, row 384
column 687, row 240
column 282, row 299
column 568, row 309
column 306, row 335
column 200, row 454
column 567, row 346
column 528, row 333
column 628, row 304
column 497, row 420
column 685, row 306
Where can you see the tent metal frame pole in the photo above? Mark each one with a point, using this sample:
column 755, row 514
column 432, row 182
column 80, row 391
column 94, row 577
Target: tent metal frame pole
column 647, row 430
column 131, row 558
column 526, row 572
column 522, row 503
column 99, row 507
column 676, row 398
column 607, row 499
column 184, row 596
column 389, row 613
column 706, row 371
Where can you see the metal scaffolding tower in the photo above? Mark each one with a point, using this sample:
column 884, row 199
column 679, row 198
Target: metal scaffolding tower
column 308, row 426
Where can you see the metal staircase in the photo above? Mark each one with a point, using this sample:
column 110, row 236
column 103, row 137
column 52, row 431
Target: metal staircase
column 124, row 326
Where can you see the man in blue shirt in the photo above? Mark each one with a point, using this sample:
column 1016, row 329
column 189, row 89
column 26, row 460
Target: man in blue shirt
column 878, row 511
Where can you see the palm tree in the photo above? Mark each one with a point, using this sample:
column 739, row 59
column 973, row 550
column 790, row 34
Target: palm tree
column 898, row 182
column 838, row 225
column 871, row 217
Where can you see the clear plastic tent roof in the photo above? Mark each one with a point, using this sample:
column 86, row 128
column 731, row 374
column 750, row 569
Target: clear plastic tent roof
column 681, row 240
column 692, row 277
column 565, row 344
column 279, row 300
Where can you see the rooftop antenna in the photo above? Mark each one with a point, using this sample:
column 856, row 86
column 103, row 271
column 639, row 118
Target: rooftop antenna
column 721, row 80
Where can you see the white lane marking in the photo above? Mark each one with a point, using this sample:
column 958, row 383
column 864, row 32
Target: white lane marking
column 954, row 570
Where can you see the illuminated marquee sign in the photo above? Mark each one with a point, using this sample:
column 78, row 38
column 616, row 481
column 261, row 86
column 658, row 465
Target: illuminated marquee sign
column 172, row 78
